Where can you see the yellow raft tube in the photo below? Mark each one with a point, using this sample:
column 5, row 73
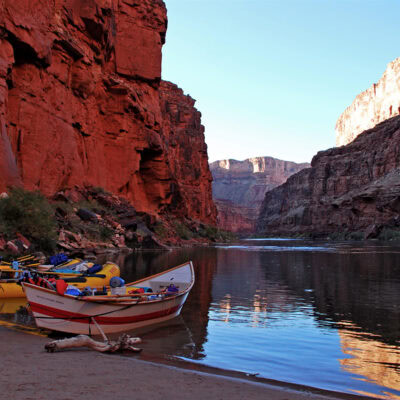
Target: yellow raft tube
column 10, row 288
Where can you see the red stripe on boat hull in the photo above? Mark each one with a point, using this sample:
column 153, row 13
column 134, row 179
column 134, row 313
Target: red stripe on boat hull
column 103, row 320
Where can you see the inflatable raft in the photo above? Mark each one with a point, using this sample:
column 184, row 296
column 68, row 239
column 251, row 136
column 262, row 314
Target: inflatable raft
column 10, row 279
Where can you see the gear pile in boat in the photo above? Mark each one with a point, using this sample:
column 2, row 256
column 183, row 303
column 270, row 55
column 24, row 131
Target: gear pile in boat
column 75, row 272
column 117, row 287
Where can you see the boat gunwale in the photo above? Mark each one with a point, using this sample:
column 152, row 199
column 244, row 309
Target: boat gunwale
column 164, row 272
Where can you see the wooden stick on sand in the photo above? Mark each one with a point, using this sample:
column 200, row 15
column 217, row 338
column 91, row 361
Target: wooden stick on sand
column 124, row 342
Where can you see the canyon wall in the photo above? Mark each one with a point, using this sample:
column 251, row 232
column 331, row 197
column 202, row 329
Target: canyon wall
column 349, row 189
column 82, row 103
column 239, row 188
column 378, row 103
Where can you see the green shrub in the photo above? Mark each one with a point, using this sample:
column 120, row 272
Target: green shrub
column 389, row 234
column 98, row 190
column 182, row 230
column 106, row 233
column 337, row 236
column 356, row 236
column 215, row 234
column 65, row 208
column 160, row 230
column 91, row 205
column 30, row 214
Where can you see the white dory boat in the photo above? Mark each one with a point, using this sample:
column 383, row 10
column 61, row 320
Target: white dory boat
column 113, row 313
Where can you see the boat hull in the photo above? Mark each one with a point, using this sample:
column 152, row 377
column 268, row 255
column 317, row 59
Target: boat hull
column 68, row 314
column 84, row 315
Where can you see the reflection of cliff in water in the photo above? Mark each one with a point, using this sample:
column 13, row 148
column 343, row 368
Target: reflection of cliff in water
column 363, row 288
column 356, row 292
column 243, row 287
column 195, row 310
column 368, row 357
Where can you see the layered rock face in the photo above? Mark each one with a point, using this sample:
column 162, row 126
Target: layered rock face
column 186, row 156
column 82, row 103
column 239, row 188
column 378, row 103
column 354, row 188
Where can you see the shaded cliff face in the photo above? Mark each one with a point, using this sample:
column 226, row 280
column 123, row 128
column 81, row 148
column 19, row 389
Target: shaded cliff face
column 81, row 104
column 378, row 103
column 239, row 188
column 186, row 156
column 354, row 188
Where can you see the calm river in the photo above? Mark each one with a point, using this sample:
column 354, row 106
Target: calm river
column 323, row 314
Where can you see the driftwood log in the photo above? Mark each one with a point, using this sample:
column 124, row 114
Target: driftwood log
column 124, row 342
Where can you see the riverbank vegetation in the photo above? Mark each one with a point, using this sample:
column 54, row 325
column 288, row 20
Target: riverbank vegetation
column 31, row 215
column 82, row 220
column 382, row 234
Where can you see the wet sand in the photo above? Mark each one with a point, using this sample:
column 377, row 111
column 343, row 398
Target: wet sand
column 28, row 372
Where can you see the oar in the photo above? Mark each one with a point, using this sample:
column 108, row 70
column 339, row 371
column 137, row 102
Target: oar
column 20, row 265
column 118, row 296
column 114, row 297
column 31, row 265
column 25, row 258
column 111, row 301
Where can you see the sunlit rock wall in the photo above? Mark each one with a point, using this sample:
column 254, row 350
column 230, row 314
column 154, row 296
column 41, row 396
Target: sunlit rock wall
column 378, row 103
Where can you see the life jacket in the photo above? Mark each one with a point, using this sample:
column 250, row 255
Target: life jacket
column 136, row 290
column 61, row 286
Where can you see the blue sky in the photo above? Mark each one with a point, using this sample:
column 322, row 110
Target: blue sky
column 271, row 77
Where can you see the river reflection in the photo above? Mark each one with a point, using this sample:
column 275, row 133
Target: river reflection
column 314, row 313
column 323, row 314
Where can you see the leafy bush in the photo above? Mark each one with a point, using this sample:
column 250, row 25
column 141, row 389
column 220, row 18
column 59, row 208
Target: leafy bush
column 106, row 233
column 91, row 205
column 160, row 230
column 389, row 234
column 30, row 214
column 215, row 234
column 337, row 236
column 98, row 190
column 356, row 236
column 182, row 230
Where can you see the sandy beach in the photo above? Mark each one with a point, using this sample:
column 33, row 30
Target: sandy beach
column 30, row 373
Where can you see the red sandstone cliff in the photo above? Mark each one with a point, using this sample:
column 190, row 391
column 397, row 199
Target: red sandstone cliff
column 353, row 188
column 81, row 103
column 239, row 188
column 376, row 104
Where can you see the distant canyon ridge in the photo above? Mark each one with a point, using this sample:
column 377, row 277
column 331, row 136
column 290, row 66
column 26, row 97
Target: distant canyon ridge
column 239, row 188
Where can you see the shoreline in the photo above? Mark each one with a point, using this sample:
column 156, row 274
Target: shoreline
column 29, row 372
